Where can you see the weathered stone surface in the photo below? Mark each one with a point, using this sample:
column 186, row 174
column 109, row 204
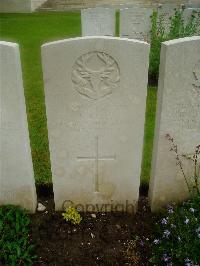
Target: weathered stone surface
column 15, row 6
column 41, row 207
column 61, row 5
column 16, row 171
column 178, row 114
column 36, row 4
column 187, row 15
column 95, row 99
column 165, row 12
column 193, row 3
column 12, row 6
column 135, row 23
column 80, row 4
column 98, row 21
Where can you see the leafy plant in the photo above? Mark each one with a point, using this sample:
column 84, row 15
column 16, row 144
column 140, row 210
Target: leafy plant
column 72, row 215
column 178, row 29
column 193, row 181
column 157, row 37
column 177, row 239
column 15, row 243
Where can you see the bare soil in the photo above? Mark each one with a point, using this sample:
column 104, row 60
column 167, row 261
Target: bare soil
column 107, row 239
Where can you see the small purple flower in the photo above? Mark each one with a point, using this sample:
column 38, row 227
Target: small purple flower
column 166, row 234
column 141, row 243
column 192, row 210
column 164, row 221
column 188, row 262
column 156, row 241
column 186, row 220
column 179, row 239
column 170, row 209
column 166, row 257
column 198, row 230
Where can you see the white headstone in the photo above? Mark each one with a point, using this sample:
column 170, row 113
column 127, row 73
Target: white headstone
column 193, row 3
column 95, row 100
column 189, row 13
column 98, row 21
column 16, row 171
column 12, row 6
column 165, row 13
column 135, row 23
column 36, row 4
column 178, row 114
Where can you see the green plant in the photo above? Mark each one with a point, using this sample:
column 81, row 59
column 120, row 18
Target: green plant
column 72, row 215
column 157, row 37
column 30, row 31
column 178, row 29
column 177, row 238
column 193, row 182
column 15, row 243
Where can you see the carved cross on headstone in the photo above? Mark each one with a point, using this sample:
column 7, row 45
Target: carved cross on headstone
column 96, row 158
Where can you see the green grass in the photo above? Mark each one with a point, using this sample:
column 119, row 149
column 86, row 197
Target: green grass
column 176, row 237
column 149, row 134
column 30, row 31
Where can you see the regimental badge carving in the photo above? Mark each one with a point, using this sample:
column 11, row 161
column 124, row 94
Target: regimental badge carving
column 95, row 75
column 196, row 76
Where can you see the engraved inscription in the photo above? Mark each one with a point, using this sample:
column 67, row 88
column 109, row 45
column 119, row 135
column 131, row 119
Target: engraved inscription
column 95, row 75
column 96, row 159
column 139, row 25
column 186, row 115
column 196, row 76
column 94, row 119
column 139, row 35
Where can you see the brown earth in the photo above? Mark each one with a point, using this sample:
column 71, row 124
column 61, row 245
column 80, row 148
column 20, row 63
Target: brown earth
column 107, row 239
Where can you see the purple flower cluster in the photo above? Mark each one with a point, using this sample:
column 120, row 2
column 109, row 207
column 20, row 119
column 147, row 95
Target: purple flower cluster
column 166, row 233
column 192, row 210
column 198, row 232
column 186, row 220
column 156, row 241
column 170, row 209
column 164, row 221
column 188, row 262
column 167, row 259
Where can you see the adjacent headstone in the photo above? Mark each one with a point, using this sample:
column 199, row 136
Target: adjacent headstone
column 193, row 3
column 165, row 13
column 119, row 6
column 95, row 100
column 12, row 6
column 98, row 21
column 16, row 171
column 188, row 15
column 135, row 23
column 35, row 4
column 178, row 114
column 21, row 6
